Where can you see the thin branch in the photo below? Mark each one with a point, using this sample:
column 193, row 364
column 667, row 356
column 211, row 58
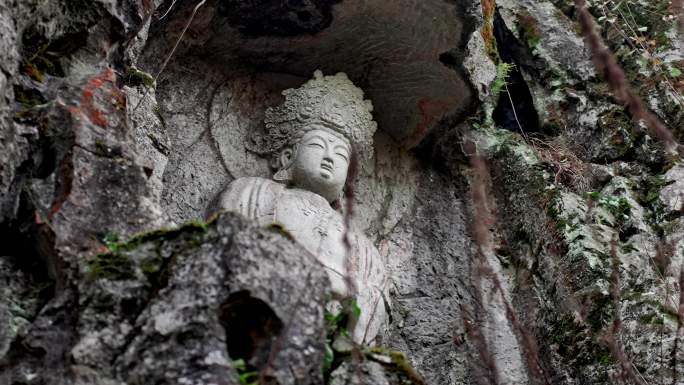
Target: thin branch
column 168, row 57
column 634, row 29
column 483, row 219
column 614, row 75
column 168, row 10
column 515, row 114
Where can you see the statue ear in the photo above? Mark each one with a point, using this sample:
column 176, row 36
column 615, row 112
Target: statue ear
column 284, row 162
column 286, row 158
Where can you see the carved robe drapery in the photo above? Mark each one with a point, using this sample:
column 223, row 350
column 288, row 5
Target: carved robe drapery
column 313, row 223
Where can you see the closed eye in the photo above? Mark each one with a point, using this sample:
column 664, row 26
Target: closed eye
column 343, row 156
column 315, row 144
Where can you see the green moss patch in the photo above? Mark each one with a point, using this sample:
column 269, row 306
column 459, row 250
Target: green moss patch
column 163, row 234
column 121, row 262
column 619, row 129
column 397, row 362
column 42, row 62
column 136, row 77
column 280, row 229
column 574, row 343
column 114, row 266
column 30, row 107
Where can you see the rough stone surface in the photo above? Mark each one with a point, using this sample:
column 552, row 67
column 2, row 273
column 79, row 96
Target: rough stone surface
column 170, row 306
column 367, row 372
column 671, row 194
column 588, row 210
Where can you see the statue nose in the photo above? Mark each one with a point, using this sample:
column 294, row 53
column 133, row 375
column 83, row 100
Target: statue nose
column 328, row 159
column 328, row 156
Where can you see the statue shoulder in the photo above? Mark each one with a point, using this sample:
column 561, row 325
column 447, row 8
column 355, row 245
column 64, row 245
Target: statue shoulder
column 251, row 182
column 253, row 197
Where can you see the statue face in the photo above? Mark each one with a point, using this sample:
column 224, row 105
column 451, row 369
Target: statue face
column 320, row 163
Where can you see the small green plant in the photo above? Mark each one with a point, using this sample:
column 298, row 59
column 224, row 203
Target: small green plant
column 503, row 70
column 338, row 338
column 650, row 189
column 245, row 375
column 618, row 206
column 111, row 241
column 136, row 77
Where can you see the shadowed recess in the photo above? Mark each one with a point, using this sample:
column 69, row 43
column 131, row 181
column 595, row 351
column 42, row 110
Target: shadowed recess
column 251, row 328
column 522, row 111
column 278, row 18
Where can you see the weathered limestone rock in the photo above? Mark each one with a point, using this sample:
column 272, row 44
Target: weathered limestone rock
column 20, row 303
column 13, row 147
column 180, row 305
column 583, row 194
column 377, row 369
column 583, row 239
column 672, row 195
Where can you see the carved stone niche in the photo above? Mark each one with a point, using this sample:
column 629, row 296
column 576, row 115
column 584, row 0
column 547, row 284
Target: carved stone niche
column 405, row 54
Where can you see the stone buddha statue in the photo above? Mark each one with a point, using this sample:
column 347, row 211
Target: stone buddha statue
column 310, row 139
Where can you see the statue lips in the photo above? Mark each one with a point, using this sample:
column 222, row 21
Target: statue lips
column 327, row 169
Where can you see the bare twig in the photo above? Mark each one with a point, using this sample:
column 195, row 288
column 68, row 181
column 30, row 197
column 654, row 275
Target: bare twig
column 483, row 219
column 168, row 10
column 615, row 77
column 569, row 169
column 173, row 50
column 350, row 261
column 486, row 358
column 627, row 369
column 349, row 187
column 639, row 39
column 515, row 114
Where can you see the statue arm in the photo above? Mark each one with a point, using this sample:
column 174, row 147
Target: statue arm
column 372, row 275
column 252, row 197
column 235, row 198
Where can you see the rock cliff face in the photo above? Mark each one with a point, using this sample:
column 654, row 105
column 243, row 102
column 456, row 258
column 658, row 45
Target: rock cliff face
column 114, row 271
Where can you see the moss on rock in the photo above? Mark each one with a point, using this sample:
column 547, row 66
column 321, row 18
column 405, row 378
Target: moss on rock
column 126, row 259
column 113, row 266
column 136, row 77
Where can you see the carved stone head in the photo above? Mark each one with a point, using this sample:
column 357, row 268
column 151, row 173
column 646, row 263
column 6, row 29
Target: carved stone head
column 312, row 135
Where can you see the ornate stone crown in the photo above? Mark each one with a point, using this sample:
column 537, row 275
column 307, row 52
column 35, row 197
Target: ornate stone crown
column 332, row 102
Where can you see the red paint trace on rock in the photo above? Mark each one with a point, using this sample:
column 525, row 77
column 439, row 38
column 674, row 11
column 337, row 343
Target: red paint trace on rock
column 104, row 82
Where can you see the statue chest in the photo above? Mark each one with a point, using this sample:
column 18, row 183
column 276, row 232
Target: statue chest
column 317, row 227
